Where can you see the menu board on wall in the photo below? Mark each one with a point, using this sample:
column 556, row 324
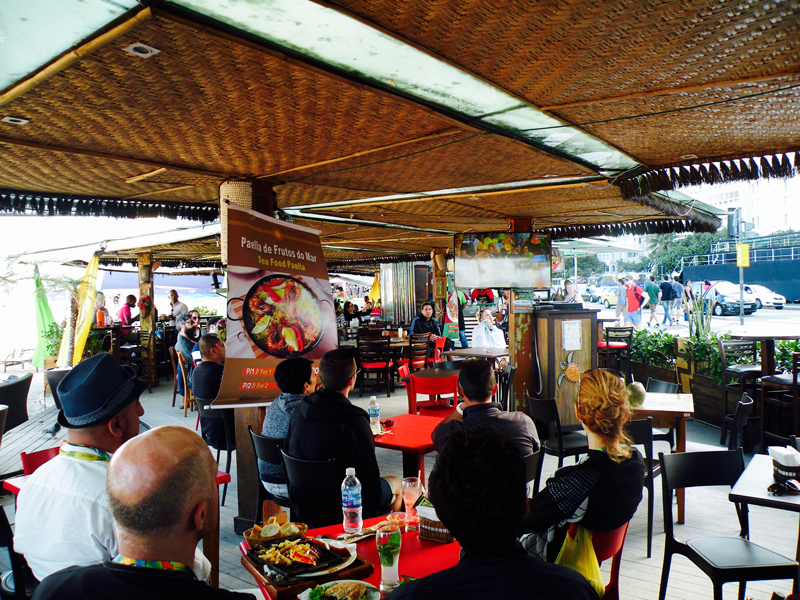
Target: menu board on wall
column 279, row 303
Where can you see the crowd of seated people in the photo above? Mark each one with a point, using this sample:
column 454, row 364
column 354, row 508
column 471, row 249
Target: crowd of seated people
column 124, row 512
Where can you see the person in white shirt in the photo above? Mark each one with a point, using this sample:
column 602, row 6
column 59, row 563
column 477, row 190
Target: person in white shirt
column 177, row 308
column 486, row 334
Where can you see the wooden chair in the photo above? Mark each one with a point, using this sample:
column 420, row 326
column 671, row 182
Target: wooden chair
column 318, row 476
column 226, row 416
column 188, row 399
column 375, row 356
column 607, row 544
column 641, row 434
column 663, row 387
column 141, row 357
column 780, row 405
column 33, row 460
column 268, row 450
column 563, row 444
column 14, row 394
column 745, row 375
column 616, row 346
column 417, row 352
column 439, row 387
column 175, row 373
column 722, row 559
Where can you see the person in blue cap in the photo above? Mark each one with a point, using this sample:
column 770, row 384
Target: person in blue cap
column 62, row 514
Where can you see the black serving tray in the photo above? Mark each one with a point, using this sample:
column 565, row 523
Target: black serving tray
column 327, row 559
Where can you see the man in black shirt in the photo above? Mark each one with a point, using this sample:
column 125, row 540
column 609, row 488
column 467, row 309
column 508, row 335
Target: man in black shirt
column 478, row 489
column 163, row 496
column 206, row 379
column 666, row 299
column 425, row 323
column 476, row 384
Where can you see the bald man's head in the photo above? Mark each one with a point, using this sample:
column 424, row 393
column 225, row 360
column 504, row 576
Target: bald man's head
column 157, row 479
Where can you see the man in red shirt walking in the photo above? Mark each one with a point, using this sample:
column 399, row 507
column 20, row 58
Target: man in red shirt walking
column 636, row 301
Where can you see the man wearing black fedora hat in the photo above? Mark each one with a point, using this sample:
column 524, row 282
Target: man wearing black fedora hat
column 62, row 514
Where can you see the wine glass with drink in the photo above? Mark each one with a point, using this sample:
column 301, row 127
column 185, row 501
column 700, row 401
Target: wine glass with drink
column 411, row 490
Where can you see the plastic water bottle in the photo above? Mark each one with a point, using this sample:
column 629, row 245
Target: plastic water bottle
column 374, row 410
column 351, row 502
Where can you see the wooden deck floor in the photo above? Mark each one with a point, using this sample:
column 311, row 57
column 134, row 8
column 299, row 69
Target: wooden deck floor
column 708, row 511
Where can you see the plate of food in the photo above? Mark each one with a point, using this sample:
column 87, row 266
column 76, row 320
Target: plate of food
column 288, row 558
column 348, row 589
column 282, row 316
column 272, row 530
column 347, row 551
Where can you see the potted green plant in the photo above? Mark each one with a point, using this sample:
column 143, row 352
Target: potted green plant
column 653, row 355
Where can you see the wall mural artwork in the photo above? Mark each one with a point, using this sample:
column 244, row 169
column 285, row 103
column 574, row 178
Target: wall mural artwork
column 569, row 370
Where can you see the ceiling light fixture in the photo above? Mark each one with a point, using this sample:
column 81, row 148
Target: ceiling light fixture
column 15, row 120
column 141, row 50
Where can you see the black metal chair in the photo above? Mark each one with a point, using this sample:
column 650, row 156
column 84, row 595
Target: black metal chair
column 780, row 405
column 722, row 559
column 663, row 387
column 317, row 476
column 563, row 444
column 19, row 568
column 532, row 467
column 505, row 383
column 641, row 434
column 228, row 444
column 745, row 375
column 740, row 416
column 268, row 450
column 616, row 346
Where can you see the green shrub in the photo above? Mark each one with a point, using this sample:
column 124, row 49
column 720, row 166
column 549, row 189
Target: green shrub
column 205, row 310
column 52, row 335
column 653, row 347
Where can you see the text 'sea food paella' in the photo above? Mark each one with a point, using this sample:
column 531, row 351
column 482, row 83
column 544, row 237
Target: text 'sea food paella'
column 282, row 316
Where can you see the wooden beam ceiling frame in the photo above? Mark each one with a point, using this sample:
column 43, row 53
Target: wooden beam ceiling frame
column 72, row 56
column 380, row 240
column 463, row 69
column 296, row 214
column 670, row 91
column 426, row 197
column 431, row 136
column 114, row 157
column 144, row 176
column 231, row 34
column 153, row 193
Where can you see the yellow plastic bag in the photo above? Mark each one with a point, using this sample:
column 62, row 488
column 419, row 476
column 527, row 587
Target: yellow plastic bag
column 578, row 554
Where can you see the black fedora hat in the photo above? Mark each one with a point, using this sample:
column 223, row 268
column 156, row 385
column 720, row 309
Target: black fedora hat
column 95, row 390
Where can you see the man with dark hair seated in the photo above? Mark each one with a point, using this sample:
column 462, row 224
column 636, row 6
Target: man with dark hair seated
column 425, row 322
column 296, row 379
column 478, row 489
column 476, row 385
column 163, row 496
column 326, row 425
column 206, row 379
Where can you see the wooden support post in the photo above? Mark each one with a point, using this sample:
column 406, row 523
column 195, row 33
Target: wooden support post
column 147, row 322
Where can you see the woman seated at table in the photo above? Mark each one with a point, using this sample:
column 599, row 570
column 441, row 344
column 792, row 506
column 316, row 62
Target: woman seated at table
column 601, row 492
column 486, row 334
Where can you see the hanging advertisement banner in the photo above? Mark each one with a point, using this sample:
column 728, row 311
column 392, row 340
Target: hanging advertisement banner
column 451, row 316
column 279, row 303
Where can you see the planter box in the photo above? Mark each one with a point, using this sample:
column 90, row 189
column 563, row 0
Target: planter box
column 641, row 372
column 709, row 400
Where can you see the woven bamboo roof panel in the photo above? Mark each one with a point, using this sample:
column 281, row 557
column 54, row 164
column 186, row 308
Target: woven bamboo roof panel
column 474, row 160
column 763, row 112
column 185, row 107
column 304, row 194
column 554, row 53
column 46, row 171
column 567, row 51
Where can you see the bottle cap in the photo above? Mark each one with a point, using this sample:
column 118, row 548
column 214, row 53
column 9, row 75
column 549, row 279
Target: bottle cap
column 350, row 471
column 373, row 398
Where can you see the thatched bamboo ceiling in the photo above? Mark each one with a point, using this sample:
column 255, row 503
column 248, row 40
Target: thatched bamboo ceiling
column 645, row 87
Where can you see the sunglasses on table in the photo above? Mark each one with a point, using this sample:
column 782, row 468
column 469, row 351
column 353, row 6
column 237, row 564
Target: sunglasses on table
column 791, row 487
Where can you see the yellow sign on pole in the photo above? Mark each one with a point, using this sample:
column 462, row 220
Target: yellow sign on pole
column 742, row 255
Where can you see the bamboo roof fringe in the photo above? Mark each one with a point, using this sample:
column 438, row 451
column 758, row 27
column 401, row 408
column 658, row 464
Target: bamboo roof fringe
column 642, row 185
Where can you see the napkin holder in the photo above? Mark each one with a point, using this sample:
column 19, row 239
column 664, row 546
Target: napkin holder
column 782, row 473
column 430, row 527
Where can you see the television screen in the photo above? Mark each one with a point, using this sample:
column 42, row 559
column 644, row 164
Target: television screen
column 502, row 260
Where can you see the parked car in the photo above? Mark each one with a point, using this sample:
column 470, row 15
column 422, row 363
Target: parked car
column 724, row 296
column 765, row 296
column 596, row 294
column 608, row 296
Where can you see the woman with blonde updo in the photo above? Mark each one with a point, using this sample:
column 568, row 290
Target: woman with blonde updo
column 601, row 492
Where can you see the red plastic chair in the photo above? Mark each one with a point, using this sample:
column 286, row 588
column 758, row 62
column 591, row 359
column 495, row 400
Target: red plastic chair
column 438, row 349
column 33, row 460
column 404, row 373
column 445, row 386
column 607, row 544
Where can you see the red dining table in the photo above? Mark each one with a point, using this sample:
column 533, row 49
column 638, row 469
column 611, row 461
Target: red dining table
column 418, row 557
column 411, row 434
